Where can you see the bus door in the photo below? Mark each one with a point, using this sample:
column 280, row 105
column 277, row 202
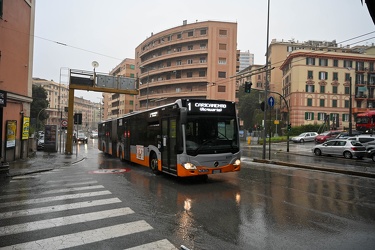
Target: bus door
column 126, row 141
column 169, row 141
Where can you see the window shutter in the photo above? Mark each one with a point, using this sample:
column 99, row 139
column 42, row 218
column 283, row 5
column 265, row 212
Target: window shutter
column 312, row 116
column 306, row 115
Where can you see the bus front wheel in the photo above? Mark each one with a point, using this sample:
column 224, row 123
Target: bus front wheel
column 154, row 164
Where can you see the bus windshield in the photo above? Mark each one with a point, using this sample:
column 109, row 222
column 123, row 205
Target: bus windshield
column 362, row 120
column 208, row 135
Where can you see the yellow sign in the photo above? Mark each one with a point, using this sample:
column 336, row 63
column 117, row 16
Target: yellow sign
column 276, row 122
column 25, row 128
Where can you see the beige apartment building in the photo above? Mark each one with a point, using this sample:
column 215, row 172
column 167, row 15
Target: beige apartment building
column 120, row 104
column 195, row 60
column 317, row 83
column 58, row 98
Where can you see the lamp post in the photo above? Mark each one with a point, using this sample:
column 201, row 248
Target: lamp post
column 350, row 103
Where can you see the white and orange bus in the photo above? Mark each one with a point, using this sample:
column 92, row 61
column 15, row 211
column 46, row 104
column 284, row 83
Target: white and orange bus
column 190, row 137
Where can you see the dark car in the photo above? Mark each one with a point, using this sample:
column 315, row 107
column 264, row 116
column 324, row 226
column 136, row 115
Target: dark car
column 371, row 154
column 81, row 137
column 327, row 135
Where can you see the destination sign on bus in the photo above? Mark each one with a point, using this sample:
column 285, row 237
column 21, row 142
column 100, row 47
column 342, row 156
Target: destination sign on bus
column 208, row 106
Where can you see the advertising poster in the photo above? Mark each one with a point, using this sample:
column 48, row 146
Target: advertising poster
column 25, row 128
column 50, row 138
column 11, row 134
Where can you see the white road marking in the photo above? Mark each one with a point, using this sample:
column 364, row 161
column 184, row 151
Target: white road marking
column 63, row 221
column 84, row 237
column 47, row 187
column 58, row 208
column 56, row 198
column 156, row 245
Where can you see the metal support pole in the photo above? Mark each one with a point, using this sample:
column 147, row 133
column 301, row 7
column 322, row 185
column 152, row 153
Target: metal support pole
column 266, row 87
column 350, row 106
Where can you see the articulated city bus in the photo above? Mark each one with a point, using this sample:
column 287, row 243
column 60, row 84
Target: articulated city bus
column 365, row 122
column 190, row 137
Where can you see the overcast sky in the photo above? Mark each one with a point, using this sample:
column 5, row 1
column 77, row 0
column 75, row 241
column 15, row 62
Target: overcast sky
column 74, row 33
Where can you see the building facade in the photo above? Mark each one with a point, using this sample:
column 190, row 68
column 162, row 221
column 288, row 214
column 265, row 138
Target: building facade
column 120, row 104
column 316, row 84
column 194, row 60
column 246, row 59
column 16, row 60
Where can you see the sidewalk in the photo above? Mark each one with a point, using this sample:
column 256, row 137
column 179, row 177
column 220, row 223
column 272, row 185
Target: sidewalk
column 40, row 162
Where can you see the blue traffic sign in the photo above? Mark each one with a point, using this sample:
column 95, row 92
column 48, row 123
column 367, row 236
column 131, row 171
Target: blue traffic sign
column 271, row 101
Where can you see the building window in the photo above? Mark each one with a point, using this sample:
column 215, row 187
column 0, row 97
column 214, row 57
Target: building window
column 347, row 63
column 222, row 32
column 190, row 61
column 323, row 75
column 323, row 62
column 189, row 74
column 178, row 62
column 310, row 88
column 345, row 117
column 321, row 102
column 310, row 61
column 190, row 47
column 335, row 76
column 322, row 89
column 221, row 88
column 131, row 75
column 131, row 65
column 222, row 46
column 222, row 74
column 346, row 103
column 178, row 74
column 347, row 76
column 203, row 46
column 334, row 103
column 310, row 74
column 178, row 90
column 131, row 102
column 334, row 89
column 347, row 90
column 190, row 33
column 168, row 63
column 222, row 60
column 309, row 116
column 202, row 73
column 179, row 49
column 321, row 116
column 335, row 63
column 203, row 32
column 1, row 8
column 202, row 60
column 179, row 36
column 309, row 102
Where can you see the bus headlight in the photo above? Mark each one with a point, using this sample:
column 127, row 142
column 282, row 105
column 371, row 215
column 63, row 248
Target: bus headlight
column 189, row 166
column 237, row 162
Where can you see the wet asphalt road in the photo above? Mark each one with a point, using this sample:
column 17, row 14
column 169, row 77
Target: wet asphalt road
column 263, row 206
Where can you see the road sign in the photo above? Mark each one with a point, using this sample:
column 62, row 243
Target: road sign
column 271, row 101
column 64, row 123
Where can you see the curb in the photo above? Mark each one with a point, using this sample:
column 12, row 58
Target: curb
column 332, row 170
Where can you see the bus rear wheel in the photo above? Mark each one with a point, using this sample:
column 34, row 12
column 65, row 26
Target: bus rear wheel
column 154, row 164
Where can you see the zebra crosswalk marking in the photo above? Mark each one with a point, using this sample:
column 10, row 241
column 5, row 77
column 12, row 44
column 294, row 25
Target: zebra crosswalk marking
column 56, row 198
column 58, row 208
column 156, row 245
column 50, row 186
column 84, row 237
column 63, row 221
column 53, row 191
column 70, row 179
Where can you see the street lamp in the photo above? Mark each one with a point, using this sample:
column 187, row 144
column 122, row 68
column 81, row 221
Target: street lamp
column 350, row 103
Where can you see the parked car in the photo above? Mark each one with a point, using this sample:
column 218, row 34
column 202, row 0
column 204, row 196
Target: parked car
column 79, row 137
column 345, row 134
column 93, row 135
column 341, row 147
column 371, row 154
column 307, row 136
column 368, row 140
column 40, row 142
column 327, row 135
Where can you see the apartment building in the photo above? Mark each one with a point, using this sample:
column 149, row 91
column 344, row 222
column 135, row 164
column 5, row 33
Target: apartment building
column 317, row 83
column 16, row 61
column 193, row 60
column 246, row 59
column 58, row 98
column 120, row 104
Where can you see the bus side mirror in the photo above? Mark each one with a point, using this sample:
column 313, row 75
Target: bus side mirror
column 183, row 115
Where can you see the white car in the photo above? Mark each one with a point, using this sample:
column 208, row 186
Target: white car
column 307, row 136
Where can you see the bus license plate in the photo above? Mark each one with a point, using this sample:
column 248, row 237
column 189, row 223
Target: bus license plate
column 216, row 171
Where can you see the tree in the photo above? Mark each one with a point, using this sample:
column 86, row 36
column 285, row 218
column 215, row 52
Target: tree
column 39, row 103
column 249, row 109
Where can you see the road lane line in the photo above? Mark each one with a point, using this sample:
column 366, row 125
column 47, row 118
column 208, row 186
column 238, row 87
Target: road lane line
column 58, row 208
column 55, row 198
column 84, row 237
column 63, row 221
column 54, row 191
column 157, row 245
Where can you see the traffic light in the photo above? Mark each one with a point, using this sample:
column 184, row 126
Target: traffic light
column 289, row 127
column 262, row 106
column 248, row 87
